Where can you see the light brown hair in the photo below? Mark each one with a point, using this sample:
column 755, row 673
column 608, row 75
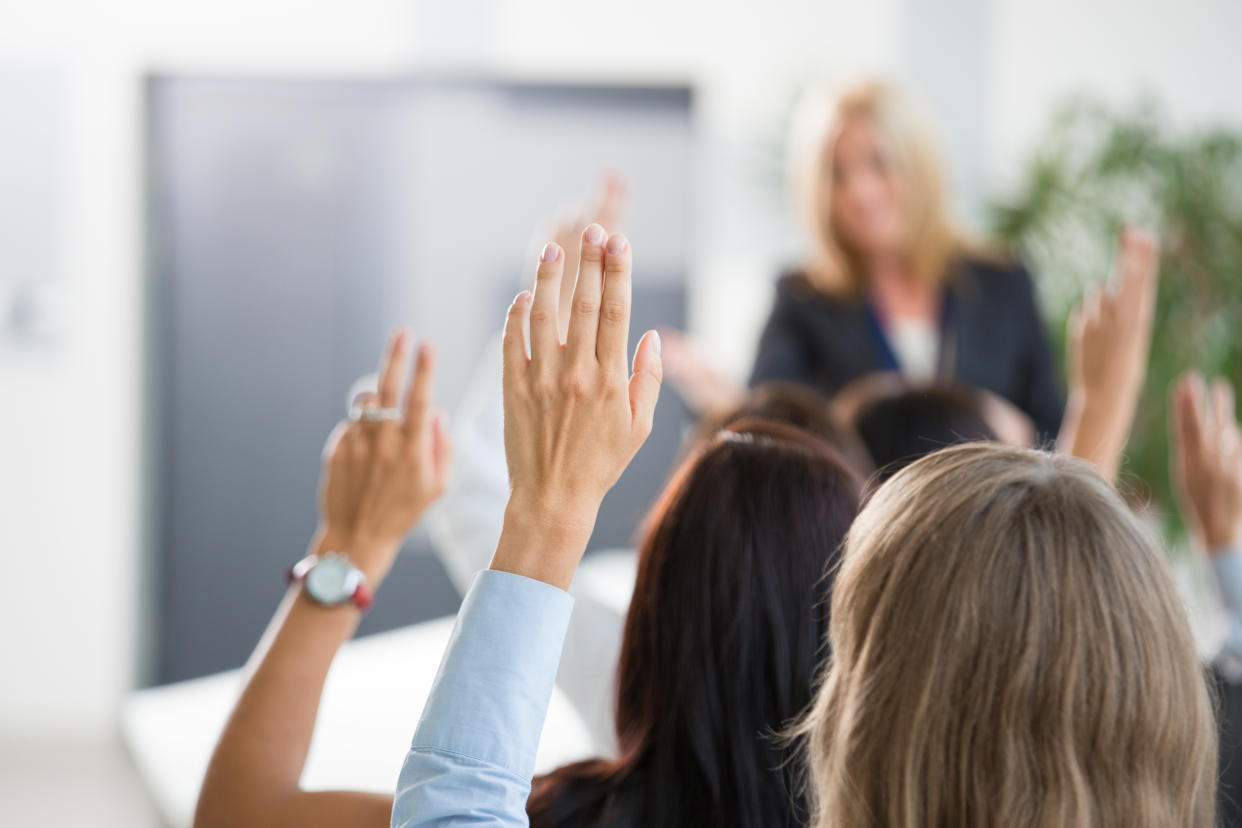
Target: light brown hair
column 933, row 240
column 1008, row 648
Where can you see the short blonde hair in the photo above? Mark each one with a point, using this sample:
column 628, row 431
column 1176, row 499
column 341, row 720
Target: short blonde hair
column 934, row 241
column 1008, row 648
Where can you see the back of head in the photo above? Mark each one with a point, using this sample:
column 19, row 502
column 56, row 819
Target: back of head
column 723, row 640
column 899, row 428
column 795, row 405
column 1008, row 649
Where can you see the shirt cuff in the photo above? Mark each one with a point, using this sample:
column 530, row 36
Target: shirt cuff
column 491, row 694
column 1227, row 564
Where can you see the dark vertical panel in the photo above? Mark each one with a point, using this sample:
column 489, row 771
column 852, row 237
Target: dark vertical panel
column 288, row 233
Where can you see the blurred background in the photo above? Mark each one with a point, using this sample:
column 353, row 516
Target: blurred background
column 211, row 214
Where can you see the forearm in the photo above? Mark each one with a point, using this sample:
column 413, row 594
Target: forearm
column 473, row 753
column 253, row 777
column 542, row 542
column 1096, row 430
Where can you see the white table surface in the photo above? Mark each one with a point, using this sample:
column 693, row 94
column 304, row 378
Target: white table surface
column 371, row 704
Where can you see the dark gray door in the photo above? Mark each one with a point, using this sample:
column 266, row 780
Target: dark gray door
column 291, row 224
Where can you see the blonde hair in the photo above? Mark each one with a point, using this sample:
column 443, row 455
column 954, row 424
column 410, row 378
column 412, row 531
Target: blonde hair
column 1008, row 649
column 933, row 240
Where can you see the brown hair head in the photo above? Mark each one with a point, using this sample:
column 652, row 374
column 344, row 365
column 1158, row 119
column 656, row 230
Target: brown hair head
column 1008, row 648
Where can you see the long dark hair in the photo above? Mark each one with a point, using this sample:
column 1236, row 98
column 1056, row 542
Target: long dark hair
column 724, row 637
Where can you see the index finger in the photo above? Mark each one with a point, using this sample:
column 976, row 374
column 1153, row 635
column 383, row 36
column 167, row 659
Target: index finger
column 418, row 400
column 392, row 366
column 584, row 315
column 1138, row 268
column 1189, row 415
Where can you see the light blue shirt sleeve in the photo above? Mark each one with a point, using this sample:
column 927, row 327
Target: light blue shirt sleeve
column 1227, row 564
column 473, row 752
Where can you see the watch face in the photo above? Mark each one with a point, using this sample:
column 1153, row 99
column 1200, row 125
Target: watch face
column 332, row 581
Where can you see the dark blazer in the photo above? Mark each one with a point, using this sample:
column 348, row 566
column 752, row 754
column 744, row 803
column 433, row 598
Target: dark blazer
column 992, row 339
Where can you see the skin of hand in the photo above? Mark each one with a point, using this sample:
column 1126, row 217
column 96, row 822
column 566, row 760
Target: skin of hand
column 378, row 479
column 606, row 210
column 574, row 416
column 1110, row 339
column 703, row 388
column 1206, row 450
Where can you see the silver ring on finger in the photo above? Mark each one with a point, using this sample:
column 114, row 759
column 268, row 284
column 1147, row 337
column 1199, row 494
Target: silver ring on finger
column 374, row 414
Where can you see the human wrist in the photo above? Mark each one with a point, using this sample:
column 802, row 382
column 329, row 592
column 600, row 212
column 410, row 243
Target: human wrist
column 543, row 542
column 1223, row 540
column 373, row 556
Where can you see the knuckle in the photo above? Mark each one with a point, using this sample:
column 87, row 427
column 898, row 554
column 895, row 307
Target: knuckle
column 540, row 316
column 578, row 383
column 544, row 388
column 614, row 311
column 586, row 306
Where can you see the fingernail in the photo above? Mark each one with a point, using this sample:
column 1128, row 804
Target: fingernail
column 595, row 234
column 617, row 244
column 551, row 252
column 655, row 342
column 522, row 298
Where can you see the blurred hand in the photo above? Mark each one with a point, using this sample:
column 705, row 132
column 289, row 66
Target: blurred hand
column 1110, row 340
column 1206, row 458
column 1110, row 332
column 379, row 477
column 574, row 415
column 606, row 210
column 704, row 389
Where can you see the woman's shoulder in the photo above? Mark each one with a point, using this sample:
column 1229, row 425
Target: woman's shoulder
column 996, row 272
column 796, row 290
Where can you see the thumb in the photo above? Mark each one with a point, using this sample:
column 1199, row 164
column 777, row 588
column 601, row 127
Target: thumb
column 645, row 383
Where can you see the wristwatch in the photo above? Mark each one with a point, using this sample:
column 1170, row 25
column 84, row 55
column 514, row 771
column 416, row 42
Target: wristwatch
column 331, row 580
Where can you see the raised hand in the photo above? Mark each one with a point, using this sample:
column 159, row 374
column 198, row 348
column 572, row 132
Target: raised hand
column 574, row 414
column 1110, row 339
column 384, row 466
column 606, row 210
column 703, row 388
column 1206, row 449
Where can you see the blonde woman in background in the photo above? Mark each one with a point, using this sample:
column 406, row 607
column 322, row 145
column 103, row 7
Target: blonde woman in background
column 891, row 284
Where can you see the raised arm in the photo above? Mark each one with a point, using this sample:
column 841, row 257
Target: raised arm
column 574, row 416
column 1206, row 448
column 1110, row 339
column 380, row 474
column 465, row 523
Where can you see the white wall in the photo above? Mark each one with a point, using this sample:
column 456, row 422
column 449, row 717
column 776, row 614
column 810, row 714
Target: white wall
column 70, row 474
column 70, row 413
column 1184, row 51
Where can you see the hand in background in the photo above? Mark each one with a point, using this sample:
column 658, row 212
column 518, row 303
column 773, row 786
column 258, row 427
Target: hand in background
column 574, row 415
column 380, row 476
column 1110, row 340
column 704, row 389
column 606, row 210
column 1206, row 448
column 1110, row 332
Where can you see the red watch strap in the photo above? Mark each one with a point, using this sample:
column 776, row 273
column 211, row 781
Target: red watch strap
column 363, row 597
